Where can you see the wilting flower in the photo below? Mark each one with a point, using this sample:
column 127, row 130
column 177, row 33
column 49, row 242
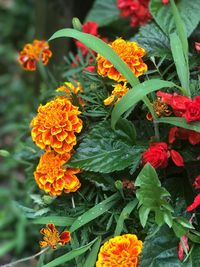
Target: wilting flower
column 55, row 125
column 160, row 108
column 119, row 91
column 195, row 203
column 196, row 183
column 52, row 238
column 137, row 10
column 52, row 177
column 30, row 54
column 158, row 154
column 120, row 251
column 184, row 134
column 70, row 89
column 130, row 53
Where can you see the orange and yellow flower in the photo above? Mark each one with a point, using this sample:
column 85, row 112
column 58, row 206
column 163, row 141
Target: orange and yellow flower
column 53, row 178
column 52, row 238
column 30, row 54
column 120, row 251
column 55, row 126
column 70, row 89
column 119, row 91
column 130, row 53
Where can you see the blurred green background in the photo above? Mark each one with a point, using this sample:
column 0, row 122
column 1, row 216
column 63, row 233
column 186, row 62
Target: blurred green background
column 20, row 22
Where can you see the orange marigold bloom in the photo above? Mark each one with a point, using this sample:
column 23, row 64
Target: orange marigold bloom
column 30, row 54
column 52, row 177
column 120, row 251
column 119, row 91
column 130, row 53
column 52, row 237
column 55, row 125
column 70, row 89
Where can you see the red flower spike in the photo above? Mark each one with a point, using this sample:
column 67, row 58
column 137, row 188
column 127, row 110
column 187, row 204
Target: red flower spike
column 196, row 183
column 195, row 203
column 177, row 158
column 180, row 248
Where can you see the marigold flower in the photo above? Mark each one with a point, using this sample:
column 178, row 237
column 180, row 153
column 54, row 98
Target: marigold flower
column 30, row 54
column 52, row 238
column 158, row 154
column 118, row 92
column 53, row 178
column 160, row 108
column 130, row 53
column 70, row 89
column 137, row 10
column 195, row 203
column 55, row 125
column 120, row 251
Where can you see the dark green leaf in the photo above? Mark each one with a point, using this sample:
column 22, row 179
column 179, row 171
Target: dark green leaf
column 91, row 258
column 105, row 150
column 57, row 220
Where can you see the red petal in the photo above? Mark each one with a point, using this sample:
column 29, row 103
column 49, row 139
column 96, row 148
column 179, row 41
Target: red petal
column 195, row 204
column 172, row 134
column 177, row 158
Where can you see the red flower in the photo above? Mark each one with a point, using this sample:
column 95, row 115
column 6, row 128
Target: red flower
column 184, row 134
column 90, row 68
column 197, row 46
column 196, row 183
column 195, row 204
column 159, row 153
column 177, row 102
column 180, row 248
column 137, row 10
column 165, row 2
column 193, row 110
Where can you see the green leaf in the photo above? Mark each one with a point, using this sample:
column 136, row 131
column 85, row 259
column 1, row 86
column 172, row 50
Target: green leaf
column 126, row 130
column 135, row 95
column 153, row 40
column 148, row 176
column 6, row 247
column 95, row 212
column 57, row 220
column 195, row 256
column 70, row 255
column 189, row 13
column 180, row 122
column 179, row 230
column 103, row 12
column 125, row 215
column 100, row 47
column 180, row 62
column 143, row 215
column 160, row 250
column 105, row 150
column 91, row 258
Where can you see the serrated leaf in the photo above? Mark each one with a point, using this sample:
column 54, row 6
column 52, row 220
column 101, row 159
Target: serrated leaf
column 153, row 40
column 160, row 250
column 104, row 150
column 103, row 12
column 189, row 13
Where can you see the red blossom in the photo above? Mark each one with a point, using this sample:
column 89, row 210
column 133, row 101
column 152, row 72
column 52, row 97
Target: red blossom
column 197, row 46
column 196, row 183
column 195, row 203
column 158, row 154
column 165, row 2
column 193, row 110
column 180, row 247
column 180, row 133
column 137, row 10
column 90, row 68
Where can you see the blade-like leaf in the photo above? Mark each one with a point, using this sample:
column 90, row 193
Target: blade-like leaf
column 91, row 258
column 69, row 256
column 95, row 212
column 57, row 220
column 135, row 95
column 100, row 47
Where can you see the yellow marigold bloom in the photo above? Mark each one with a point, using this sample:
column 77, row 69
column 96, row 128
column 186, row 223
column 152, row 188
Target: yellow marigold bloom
column 130, row 53
column 55, row 125
column 29, row 56
column 160, row 108
column 52, row 238
column 117, row 93
column 70, row 89
column 120, row 251
column 52, row 177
